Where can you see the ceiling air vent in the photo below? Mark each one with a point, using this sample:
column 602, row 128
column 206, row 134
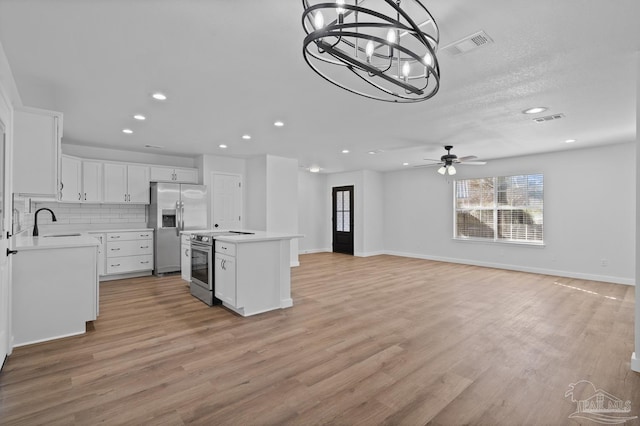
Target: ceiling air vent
column 548, row 118
column 468, row 43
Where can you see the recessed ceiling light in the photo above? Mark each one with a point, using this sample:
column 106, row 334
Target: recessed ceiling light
column 314, row 169
column 405, row 164
column 139, row 117
column 372, row 152
column 223, row 146
column 570, row 141
column 127, row 131
column 246, row 137
column 159, row 96
column 534, row 110
column 345, row 151
column 278, row 123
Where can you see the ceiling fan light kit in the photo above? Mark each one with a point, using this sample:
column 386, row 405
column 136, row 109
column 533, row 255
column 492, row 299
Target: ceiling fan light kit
column 379, row 49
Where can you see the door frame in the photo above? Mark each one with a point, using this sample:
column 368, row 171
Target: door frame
column 334, row 190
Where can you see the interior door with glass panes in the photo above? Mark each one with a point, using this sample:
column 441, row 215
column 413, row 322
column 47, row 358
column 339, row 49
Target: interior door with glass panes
column 5, row 312
column 343, row 219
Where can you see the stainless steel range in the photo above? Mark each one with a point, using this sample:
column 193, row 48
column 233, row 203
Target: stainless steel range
column 202, row 265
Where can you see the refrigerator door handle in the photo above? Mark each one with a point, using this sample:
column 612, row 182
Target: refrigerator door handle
column 178, row 220
column 181, row 215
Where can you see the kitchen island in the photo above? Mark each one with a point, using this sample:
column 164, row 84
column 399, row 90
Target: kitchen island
column 55, row 287
column 253, row 272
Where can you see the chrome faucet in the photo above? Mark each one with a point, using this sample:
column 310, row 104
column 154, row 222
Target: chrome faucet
column 35, row 224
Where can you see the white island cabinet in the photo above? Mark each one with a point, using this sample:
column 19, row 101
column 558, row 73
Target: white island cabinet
column 253, row 272
column 55, row 287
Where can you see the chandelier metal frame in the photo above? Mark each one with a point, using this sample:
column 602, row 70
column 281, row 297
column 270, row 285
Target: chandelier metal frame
column 399, row 67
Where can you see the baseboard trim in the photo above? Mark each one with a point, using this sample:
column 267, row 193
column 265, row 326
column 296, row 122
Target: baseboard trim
column 542, row 271
column 310, row 251
column 369, row 253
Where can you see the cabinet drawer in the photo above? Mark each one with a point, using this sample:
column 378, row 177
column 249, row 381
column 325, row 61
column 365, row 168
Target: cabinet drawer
column 129, row 248
column 135, row 235
column 122, row 265
column 225, row 248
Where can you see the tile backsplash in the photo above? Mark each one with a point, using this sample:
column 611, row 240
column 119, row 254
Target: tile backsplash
column 76, row 214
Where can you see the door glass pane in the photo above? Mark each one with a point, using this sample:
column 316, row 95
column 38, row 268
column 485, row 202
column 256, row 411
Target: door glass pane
column 339, row 221
column 339, row 202
column 346, row 226
column 346, row 201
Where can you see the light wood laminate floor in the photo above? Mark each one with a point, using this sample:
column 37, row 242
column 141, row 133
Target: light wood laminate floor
column 378, row 340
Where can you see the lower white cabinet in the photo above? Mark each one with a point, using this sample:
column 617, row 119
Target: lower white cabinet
column 225, row 281
column 185, row 257
column 102, row 238
column 252, row 277
column 129, row 252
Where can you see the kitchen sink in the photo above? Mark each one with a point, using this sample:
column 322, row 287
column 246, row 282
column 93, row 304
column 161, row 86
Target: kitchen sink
column 62, row 235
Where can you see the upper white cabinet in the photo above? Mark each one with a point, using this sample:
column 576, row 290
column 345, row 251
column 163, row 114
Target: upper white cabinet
column 126, row 183
column 91, row 181
column 37, row 135
column 173, row 174
column 71, row 180
column 81, row 180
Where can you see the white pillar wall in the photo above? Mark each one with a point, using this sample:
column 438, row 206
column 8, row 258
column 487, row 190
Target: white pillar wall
column 635, row 358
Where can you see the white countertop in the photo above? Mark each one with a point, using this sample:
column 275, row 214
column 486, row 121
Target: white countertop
column 246, row 238
column 256, row 236
column 102, row 231
column 46, row 243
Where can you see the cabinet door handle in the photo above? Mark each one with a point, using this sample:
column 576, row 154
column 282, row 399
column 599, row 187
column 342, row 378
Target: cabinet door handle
column 114, row 236
column 115, row 249
column 144, row 246
column 186, row 252
column 146, row 261
column 117, row 264
column 79, row 196
column 85, row 196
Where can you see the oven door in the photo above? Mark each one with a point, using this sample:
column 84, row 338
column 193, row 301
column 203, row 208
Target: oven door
column 202, row 265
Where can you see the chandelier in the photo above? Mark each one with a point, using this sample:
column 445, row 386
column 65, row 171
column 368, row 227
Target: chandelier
column 373, row 48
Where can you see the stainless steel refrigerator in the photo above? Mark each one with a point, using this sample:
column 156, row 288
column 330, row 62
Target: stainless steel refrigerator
column 174, row 207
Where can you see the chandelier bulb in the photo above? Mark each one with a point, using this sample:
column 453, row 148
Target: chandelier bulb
column 339, row 9
column 442, row 170
column 369, row 50
column 452, row 170
column 391, row 36
column 318, row 20
column 428, row 60
column 406, row 70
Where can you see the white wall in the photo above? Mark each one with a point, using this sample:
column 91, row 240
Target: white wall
column 589, row 215
column 635, row 359
column 107, row 154
column 282, row 198
column 256, row 192
column 373, row 206
column 312, row 212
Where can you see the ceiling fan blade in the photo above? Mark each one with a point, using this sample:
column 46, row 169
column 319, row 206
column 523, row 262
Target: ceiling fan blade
column 474, row 163
column 429, row 165
column 467, row 158
column 431, row 159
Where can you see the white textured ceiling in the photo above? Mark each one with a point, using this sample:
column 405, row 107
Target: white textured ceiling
column 234, row 67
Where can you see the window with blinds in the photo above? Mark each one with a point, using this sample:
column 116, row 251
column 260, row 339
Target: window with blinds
column 501, row 209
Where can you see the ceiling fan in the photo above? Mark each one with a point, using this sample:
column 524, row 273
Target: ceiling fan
column 448, row 160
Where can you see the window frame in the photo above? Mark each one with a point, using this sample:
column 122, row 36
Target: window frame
column 495, row 209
